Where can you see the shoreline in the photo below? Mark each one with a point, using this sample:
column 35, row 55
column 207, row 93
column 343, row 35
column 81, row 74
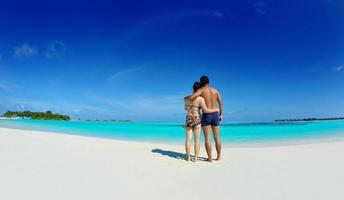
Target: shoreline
column 268, row 143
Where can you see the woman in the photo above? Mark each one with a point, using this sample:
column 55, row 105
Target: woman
column 193, row 121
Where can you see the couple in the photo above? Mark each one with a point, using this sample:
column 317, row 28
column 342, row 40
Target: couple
column 204, row 98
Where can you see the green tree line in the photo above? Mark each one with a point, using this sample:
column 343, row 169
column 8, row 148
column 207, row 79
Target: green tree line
column 36, row 115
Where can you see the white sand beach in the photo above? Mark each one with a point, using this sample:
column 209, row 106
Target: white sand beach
column 49, row 166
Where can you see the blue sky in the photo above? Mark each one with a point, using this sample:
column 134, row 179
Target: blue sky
column 137, row 59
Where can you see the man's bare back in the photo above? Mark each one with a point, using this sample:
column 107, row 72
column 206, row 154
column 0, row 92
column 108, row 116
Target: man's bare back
column 210, row 96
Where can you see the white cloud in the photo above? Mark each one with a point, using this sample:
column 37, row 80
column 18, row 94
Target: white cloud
column 55, row 49
column 25, row 51
column 339, row 68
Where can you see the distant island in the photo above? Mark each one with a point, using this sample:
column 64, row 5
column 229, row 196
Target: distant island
column 309, row 119
column 105, row 120
column 48, row 115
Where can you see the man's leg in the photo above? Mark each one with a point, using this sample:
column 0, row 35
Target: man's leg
column 206, row 130
column 216, row 132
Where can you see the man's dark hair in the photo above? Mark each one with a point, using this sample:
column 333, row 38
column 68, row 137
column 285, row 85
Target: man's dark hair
column 196, row 86
column 204, row 80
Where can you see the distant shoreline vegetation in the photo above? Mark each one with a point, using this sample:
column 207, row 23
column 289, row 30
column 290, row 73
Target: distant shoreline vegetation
column 309, row 119
column 48, row 115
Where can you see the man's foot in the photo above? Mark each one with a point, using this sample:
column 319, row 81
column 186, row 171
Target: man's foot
column 209, row 160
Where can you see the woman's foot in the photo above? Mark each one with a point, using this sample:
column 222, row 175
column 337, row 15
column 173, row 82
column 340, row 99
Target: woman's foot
column 196, row 159
column 187, row 157
column 218, row 158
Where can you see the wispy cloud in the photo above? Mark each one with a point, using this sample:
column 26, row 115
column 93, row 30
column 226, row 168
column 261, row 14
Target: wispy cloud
column 143, row 107
column 75, row 110
column 25, row 51
column 172, row 104
column 235, row 112
column 213, row 13
column 339, row 68
column 124, row 73
column 318, row 69
column 6, row 86
column 181, row 15
column 159, row 20
column 55, row 49
column 187, row 14
column 260, row 7
column 18, row 103
column 83, row 111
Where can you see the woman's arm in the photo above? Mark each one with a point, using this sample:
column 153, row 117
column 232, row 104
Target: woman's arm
column 206, row 109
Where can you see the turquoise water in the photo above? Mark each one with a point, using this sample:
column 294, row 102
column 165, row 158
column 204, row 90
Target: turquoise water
column 175, row 133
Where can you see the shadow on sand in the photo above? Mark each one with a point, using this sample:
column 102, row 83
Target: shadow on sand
column 173, row 154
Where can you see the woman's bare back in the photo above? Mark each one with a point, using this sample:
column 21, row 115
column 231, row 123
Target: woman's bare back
column 193, row 107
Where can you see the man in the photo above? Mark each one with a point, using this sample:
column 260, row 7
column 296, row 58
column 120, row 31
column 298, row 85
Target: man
column 210, row 121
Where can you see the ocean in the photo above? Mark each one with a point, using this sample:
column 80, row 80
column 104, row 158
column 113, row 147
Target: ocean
column 231, row 133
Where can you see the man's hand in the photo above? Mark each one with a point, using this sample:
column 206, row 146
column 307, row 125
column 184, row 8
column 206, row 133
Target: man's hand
column 220, row 118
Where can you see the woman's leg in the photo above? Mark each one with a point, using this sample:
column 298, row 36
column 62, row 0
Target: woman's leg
column 188, row 143
column 197, row 131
